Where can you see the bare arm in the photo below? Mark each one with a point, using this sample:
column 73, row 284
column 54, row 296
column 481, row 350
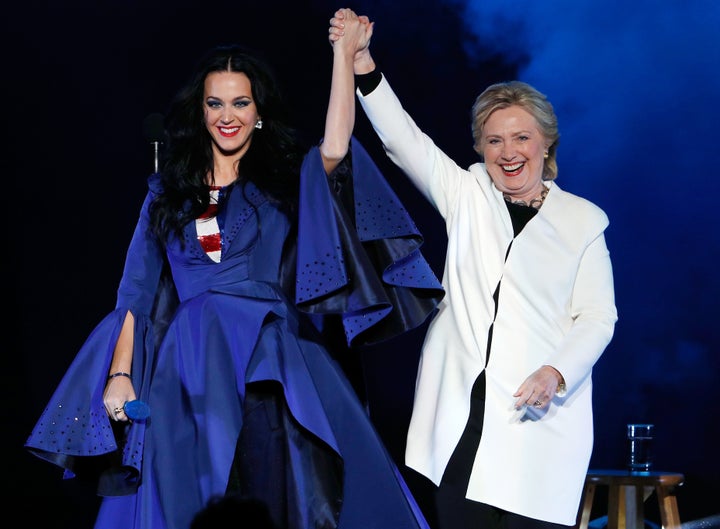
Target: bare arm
column 352, row 33
column 119, row 389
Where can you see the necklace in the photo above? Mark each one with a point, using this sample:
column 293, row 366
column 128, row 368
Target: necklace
column 534, row 203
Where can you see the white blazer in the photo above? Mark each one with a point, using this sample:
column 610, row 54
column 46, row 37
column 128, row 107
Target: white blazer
column 556, row 307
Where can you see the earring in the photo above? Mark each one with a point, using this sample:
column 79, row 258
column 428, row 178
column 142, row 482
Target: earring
column 258, row 125
column 546, row 155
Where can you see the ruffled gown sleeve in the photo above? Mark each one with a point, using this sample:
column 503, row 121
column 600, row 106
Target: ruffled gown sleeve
column 74, row 431
column 359, row 252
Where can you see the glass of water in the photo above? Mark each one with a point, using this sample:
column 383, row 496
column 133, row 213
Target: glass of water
column 639, row 447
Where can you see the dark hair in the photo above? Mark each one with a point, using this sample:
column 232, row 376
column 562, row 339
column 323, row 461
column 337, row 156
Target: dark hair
column 272, row 162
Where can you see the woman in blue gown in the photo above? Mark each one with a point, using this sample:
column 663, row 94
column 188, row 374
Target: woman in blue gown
column 247, row 252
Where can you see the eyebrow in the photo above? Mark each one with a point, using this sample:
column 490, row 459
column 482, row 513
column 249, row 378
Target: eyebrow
column 524, row 131
column 238, row 98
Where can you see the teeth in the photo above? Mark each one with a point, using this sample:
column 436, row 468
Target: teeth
column 512, row 167
column 229, row 130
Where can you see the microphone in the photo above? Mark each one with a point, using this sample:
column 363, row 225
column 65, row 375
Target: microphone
column 137, row 410
column 154, row 132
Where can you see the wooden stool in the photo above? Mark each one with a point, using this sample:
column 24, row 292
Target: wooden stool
column 627, row 492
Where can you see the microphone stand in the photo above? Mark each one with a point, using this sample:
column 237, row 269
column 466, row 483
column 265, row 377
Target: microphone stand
column 154, row 132
column 156, row 156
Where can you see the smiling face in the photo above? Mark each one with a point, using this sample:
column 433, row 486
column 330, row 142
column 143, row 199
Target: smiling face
column 230, row 112
column 514, row 152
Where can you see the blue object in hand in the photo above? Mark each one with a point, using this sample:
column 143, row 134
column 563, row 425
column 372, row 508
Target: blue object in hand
column 137, row 410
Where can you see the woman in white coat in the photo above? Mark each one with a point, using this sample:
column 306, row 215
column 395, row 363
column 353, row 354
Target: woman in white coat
column 502, row 418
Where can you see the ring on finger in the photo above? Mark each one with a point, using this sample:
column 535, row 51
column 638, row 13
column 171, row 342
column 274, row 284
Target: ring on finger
column 537, row 403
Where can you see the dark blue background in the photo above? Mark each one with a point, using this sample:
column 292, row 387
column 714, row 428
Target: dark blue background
column 636, row 91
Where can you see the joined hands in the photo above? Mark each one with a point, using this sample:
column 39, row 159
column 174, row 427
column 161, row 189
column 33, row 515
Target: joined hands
column 353, row 33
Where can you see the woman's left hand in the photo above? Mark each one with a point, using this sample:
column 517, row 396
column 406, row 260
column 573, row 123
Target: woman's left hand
column 539, row 388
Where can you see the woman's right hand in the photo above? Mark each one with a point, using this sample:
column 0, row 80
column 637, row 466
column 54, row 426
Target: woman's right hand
column 353, row 33
column 118, row 391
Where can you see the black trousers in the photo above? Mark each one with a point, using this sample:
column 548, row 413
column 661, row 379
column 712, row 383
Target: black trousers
column 453, row 510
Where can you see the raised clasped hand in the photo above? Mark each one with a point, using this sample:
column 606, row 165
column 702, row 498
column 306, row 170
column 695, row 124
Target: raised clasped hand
column 354, row 30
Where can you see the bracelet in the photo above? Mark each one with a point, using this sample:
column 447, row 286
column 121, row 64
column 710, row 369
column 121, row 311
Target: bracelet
column 120, row 374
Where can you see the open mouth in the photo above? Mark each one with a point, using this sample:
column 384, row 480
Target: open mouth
column 513, row 169
column 228, row 131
